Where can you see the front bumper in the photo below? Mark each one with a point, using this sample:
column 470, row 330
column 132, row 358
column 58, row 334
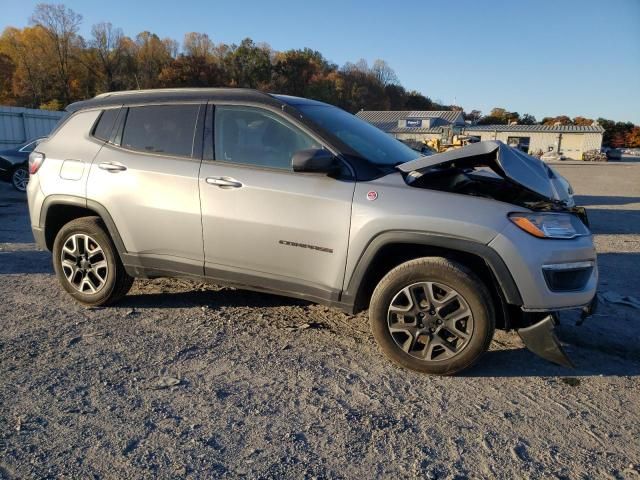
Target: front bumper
column 541, row 339
column 527, row 257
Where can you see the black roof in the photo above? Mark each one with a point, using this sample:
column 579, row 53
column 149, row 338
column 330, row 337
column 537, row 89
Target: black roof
column 363, row 168
column 130, row 97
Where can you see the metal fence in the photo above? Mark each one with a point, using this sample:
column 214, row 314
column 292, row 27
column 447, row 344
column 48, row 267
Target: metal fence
column 17, row 124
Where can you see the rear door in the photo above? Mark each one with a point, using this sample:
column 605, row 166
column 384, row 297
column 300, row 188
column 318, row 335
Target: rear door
column 147, row 178
column 263, row 224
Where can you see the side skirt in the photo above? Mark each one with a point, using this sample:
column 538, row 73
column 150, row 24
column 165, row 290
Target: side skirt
column 148, row 266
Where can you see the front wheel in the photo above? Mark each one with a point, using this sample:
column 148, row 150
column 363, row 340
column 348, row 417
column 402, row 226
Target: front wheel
column 87, row 263
column 432, row 315
column 20, row 178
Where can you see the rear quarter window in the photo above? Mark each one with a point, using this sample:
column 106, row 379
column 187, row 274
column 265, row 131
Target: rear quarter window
column 162, row 129
column 104, row 127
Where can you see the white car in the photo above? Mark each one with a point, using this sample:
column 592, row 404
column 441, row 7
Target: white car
column 552, row 156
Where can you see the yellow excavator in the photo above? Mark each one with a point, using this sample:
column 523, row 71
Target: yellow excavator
column 449, row 141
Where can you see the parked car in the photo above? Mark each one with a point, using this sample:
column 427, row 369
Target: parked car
column 296, row 197
column 14, row 166
column 614, row 154
column 552, row 156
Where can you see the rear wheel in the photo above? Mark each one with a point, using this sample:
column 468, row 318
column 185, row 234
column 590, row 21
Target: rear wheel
column 20, row 178
column 432, row 315
column 87, row 264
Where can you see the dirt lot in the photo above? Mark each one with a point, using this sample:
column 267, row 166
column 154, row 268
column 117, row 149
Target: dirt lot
column 185, row 379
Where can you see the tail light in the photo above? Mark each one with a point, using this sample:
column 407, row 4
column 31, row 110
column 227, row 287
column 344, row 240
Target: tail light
column 35, row 162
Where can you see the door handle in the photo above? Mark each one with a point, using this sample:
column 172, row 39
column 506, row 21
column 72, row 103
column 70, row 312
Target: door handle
column 223, row 182
column 112, row 167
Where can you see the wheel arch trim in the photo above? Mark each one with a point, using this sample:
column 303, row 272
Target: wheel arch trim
column 499, row 269
column 75, row 201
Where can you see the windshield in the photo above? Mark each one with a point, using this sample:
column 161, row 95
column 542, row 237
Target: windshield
column 368, row 141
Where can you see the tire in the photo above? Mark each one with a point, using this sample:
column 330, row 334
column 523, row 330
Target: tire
column 20, row 178
column 96, row 279
column 416, row 331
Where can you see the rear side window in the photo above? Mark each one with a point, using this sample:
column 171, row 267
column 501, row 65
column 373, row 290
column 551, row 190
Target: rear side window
column 164, row 129
column 105, row 124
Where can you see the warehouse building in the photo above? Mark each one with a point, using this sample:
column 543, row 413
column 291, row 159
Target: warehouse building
column 570, row 140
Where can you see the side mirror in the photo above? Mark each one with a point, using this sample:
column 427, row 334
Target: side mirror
column 316, row 160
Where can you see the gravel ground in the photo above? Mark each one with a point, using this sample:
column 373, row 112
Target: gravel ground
column 191, row 380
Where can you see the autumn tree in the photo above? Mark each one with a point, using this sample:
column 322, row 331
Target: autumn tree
column 33, row 80
column 632, row 138
column 107, row 55
column 384, row 73
column 7, row 69
column 296, row 71
column 559, row 120
column 151, row 56
column 582, row 121
column 61, row 25
column 198, row 45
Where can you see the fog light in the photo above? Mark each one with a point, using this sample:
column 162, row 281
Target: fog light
column 566, row 277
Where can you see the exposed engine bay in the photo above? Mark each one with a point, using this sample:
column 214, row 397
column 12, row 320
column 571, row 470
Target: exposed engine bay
column 480, row 182
column 494, row 170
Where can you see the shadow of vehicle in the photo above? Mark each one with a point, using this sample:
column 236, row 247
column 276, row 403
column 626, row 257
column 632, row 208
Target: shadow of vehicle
column 522, row 363
column 211, row 298
column 614, row 221
column 25, row 262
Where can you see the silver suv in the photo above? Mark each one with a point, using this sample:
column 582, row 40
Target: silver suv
column 293, row 196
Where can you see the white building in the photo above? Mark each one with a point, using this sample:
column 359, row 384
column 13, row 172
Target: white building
column 570, row 140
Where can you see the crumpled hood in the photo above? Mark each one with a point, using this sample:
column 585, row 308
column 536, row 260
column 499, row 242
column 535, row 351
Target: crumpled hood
column 508, row 162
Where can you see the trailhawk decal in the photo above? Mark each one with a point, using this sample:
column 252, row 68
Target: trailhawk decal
column 304, row 245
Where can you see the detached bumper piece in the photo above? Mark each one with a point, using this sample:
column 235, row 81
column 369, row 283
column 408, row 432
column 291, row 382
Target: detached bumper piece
column 541, row 340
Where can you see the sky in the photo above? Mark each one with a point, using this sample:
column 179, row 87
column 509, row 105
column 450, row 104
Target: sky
column 543, row 57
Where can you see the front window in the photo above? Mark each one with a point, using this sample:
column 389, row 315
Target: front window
column 366, row 140
column 257, row 137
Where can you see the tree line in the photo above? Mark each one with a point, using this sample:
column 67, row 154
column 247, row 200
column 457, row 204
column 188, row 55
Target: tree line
column 616, row 134
column 49, row 65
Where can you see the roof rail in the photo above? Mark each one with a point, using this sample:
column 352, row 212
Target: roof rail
column 164, row 90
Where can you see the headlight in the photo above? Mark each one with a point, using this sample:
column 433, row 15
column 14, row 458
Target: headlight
column 550, row 225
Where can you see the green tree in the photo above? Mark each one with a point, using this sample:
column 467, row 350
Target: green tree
column 296, row 71
column 417, row 101
column 527, row 119
column 249, row 65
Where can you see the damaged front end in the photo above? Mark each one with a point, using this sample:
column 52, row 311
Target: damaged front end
column 538, row 335
column 499, row 172
column 541, row 339
column 494, row 170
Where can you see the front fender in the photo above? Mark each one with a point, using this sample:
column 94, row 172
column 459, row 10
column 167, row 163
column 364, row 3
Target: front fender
column 495, row 263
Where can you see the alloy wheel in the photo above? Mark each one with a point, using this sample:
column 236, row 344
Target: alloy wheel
column 430, row 321
column 84, row 263
column 20, row 179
